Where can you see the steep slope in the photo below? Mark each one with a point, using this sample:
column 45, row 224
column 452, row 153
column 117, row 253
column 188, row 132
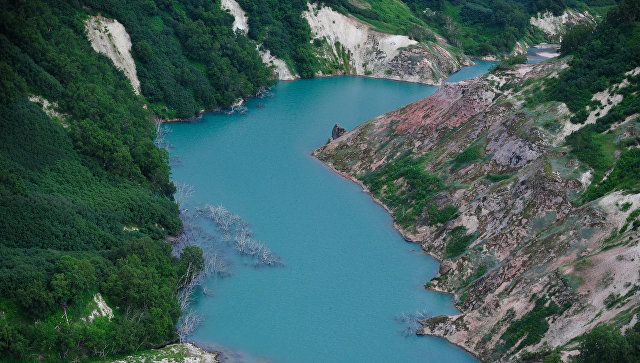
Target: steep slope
column 359, row 49
column 554, row 27
column 109, row 37
column 473, row 175
column 241, row 23
column 86, row 200
column 187, row 56
column 496, row 28
column 319, row 41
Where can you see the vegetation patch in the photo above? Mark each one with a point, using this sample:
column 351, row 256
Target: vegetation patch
column 408, row 188
column 457, row 242
column 606, row 343
column 530, row 329
column 594, row 149
column 494, row 178
column 600, row 58
column 472, row 153
column 625, row 176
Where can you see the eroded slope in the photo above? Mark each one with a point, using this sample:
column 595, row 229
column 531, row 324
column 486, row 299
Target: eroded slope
column 361, row 50
column 476, row 175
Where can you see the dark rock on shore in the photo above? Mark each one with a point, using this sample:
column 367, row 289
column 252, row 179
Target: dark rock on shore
column 337, row 131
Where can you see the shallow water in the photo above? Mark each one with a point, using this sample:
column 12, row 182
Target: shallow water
column 348, row 274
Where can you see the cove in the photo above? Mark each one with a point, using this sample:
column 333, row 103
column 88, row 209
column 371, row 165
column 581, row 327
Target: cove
column 347, row 274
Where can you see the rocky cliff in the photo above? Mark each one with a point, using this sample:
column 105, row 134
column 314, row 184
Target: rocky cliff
column 478, row 175
column 351, row 46
column 361, row 50
column 109, row 37
column 554, row 27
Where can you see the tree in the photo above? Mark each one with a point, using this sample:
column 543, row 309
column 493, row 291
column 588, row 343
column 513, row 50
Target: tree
column 72, row 277
column 604, row 344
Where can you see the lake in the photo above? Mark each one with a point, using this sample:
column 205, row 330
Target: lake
column 348, row 276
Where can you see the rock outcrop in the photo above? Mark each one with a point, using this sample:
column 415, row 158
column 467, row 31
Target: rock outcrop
column 528, row 239
column 240, row 22
column 353, row 47
column 174, row 353
column 554, row 27
column 365, row 51
column 337, row 131
column 109, row 37
column 279, row 66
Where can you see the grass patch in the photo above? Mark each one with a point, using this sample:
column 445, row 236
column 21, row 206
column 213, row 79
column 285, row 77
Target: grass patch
column 494, row 178
column 625, row 176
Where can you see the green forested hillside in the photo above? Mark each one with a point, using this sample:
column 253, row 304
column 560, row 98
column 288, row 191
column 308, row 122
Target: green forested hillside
column 85, row 195
column 187, row 56
column 69, row 185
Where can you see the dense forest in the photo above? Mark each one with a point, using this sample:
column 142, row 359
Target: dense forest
column 85, row 197
column 187, row 56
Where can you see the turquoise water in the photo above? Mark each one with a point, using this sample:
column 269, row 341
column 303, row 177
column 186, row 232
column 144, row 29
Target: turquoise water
column 347, row 275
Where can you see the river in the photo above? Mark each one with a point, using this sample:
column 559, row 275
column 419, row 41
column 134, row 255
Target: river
column 348, row 276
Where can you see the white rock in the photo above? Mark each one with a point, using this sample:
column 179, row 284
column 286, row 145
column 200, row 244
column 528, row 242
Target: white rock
column 241, row 20
column 109, row 37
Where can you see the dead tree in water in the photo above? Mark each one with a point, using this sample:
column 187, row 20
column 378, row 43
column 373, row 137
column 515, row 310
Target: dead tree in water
column 412, row 321
column 183, row 192
column 161, row 134
column 188, row 322
column 215, row 265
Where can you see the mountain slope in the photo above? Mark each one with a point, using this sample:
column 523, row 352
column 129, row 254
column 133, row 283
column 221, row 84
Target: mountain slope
column 473, row 176
column 537, row 236
column 85, row 198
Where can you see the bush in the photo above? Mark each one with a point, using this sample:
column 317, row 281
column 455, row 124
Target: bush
column 532, row 326
column 604, row 343
column 457, row 242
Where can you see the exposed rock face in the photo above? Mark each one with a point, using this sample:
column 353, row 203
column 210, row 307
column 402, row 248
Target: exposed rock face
column 337, row 131
column 279, row 66
column 531, row 238
column 101, row 310
column 109, row 37
column 51, row 109
column 375, row 54
column 555, row 27
column 240, row 21
column 361, row 50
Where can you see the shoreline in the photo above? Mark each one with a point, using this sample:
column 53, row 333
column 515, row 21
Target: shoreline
column 399, row 229
column 407, row 239
column 189, row 351
column 244, row 100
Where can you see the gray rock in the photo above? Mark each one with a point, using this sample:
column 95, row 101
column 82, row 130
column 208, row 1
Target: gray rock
column 337, row 131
